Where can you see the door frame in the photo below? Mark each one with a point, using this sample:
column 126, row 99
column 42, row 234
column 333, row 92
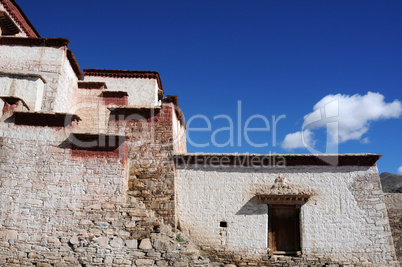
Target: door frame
column 270, row 230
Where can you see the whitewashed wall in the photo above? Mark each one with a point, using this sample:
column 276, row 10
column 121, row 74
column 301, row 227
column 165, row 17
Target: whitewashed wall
column 345, row 220
column 28, row 88
column 47, row 62
column 141, row 92
column 67, row 85
column 179, row 134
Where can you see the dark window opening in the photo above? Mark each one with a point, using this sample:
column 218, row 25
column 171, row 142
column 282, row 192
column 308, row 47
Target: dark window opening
column 223, row 224
column 284, row 229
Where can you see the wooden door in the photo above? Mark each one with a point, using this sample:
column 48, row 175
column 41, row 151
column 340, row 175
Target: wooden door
column 284, row 229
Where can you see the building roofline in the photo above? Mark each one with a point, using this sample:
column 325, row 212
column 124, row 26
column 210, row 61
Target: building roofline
column 74, row 64
column 172, row 99
column 144, row 74
column 19, row 16
column 30, row 41
column 175, row 101
column 47, row 42
column 264, row 160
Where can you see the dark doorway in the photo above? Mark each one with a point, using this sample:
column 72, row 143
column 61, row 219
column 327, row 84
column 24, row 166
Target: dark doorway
column 284, row 229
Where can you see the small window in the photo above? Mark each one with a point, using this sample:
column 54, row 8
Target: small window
column 223, row 224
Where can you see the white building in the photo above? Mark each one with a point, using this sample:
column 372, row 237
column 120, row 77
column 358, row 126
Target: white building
column 91, row 170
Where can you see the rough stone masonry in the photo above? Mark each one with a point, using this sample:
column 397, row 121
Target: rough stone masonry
column 94, row 172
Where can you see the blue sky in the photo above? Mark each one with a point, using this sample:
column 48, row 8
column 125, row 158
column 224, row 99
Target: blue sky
column 275, row 57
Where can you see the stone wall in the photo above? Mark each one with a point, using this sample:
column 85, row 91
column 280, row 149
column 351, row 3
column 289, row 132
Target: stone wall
column 48, row 193
column 66, row 206
column 151, row 168
column 91, row 108
column 394, row 207
column 345, row 220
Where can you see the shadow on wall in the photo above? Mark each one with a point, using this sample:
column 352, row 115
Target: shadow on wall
column 253, row 207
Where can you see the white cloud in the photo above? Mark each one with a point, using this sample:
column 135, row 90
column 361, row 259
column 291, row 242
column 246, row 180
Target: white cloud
column 400, row 170
column 298, row 140
column 365, row 140
column 348, row 117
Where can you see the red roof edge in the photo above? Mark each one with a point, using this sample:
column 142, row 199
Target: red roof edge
column 19, row 16
column 144, row 74
column 74, row 64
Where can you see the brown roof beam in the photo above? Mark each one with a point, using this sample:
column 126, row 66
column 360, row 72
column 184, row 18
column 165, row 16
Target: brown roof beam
column 23, row 41
column 118, row 94
column 171, row 99
column 19, row 16
column 280, row 160
column 92, row 85
column 7, row 25
column 50, row 119
column 74, row 64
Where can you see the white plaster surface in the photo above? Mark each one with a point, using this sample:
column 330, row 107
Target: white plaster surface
column 48, row 62
column 67, row 85
column 336, row 222
column 141, row 92
column 28, row 88
column 179, row 134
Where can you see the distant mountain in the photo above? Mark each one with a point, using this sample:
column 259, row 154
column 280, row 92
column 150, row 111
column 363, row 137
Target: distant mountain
column 391, row 183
